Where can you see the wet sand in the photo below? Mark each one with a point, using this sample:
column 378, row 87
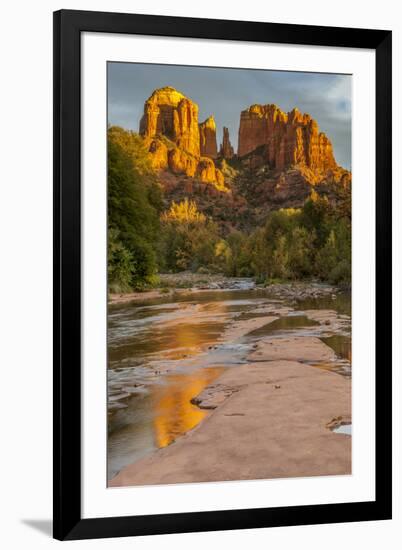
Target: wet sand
column 139, row 296
column 115, row 299
column 270, row 418
column 184, row 284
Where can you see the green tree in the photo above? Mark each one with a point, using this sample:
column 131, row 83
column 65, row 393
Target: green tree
column 134, row 202
column 301, row 252
column 236, row 257
column 314, row 216
column 190, row 239
column 279, row 264
column 120, row 264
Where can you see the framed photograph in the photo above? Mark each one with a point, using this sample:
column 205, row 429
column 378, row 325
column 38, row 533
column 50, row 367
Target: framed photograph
column 222, row 257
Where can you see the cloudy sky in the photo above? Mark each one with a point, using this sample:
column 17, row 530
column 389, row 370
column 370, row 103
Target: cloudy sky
column 226, row 92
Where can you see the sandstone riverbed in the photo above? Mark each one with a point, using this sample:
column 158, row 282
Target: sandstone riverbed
column 229, row 384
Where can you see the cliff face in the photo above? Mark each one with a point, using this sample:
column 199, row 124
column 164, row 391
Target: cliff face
column 174, row 138
column 226, row 151
column 285, row 139
column 169, row 113
column 208, row 147
column 280, row 155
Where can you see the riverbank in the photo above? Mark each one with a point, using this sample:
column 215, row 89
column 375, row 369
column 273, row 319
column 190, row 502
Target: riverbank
column 186, row 282
column 180, row 284
column 271, row 417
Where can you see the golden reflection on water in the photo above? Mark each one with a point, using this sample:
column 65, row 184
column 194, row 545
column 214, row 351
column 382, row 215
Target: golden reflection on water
column 174, row 414
column 178, row 337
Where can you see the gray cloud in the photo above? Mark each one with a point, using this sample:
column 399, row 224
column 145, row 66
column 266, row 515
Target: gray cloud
column 226, row 92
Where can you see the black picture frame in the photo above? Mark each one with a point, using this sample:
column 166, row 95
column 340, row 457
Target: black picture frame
column 68, row 522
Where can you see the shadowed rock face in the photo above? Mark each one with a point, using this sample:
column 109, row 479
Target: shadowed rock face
column 208, row 147
column 176, row 141
column 288, row 139
column 226, row 151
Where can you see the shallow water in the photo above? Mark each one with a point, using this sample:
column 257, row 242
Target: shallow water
column 341, row 344
column 155, row 418
column 285, row 326
column 345, row 429
column 163, row 352
column 341, row 303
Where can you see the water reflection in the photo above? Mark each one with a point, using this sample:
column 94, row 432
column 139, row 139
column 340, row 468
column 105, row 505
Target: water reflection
column 345, row 429
column 341, row 302
column 284, row 324
column 163, row 352
column 181, row 331
column 342, row 345
column 174, row 414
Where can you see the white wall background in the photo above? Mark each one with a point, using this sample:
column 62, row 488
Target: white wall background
column 26, row 271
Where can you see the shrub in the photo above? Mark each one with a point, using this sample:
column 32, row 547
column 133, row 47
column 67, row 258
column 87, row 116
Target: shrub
column 341, row 273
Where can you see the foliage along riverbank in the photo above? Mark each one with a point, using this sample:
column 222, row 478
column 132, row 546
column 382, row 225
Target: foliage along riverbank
column 148, row 235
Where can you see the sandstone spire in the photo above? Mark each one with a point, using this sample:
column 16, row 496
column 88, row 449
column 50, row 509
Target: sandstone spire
column 226, row 151
column 288, row 139
column 208, row 147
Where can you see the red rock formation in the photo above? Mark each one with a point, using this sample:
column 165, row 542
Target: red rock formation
column 286, row 139
column 181, row 162
column 226, row 151
column 207, row 172
column 171, row 131
column 208, row 147
column 169, row 113
column 159, row 157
